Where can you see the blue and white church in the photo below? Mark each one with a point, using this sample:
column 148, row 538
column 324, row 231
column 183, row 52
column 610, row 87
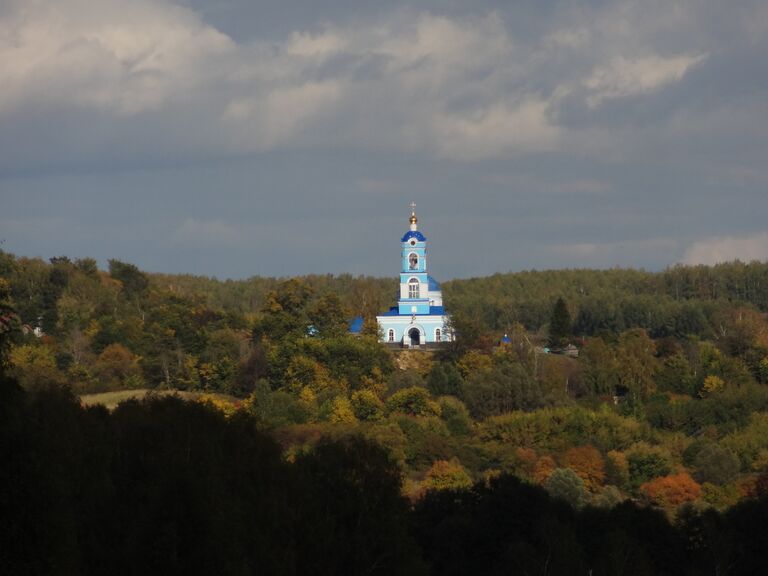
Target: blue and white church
column 419, row 319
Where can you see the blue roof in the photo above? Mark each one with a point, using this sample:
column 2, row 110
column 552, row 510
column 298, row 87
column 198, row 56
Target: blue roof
column 433, row 284
column 394, row 311
column 433, row 311
column 356, row 325
column 413, row 234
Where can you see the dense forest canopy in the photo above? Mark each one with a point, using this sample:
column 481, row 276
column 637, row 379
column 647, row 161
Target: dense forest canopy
column 662, row 402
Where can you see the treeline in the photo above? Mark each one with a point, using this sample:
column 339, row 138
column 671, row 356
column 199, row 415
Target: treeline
column 165, row 486
column 679, row 301
column 123, row 328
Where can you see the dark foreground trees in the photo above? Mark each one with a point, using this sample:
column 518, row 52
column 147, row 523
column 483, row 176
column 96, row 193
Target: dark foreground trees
column 165, row 486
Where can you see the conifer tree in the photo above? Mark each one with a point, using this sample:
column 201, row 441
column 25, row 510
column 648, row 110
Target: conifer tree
column 559, row 325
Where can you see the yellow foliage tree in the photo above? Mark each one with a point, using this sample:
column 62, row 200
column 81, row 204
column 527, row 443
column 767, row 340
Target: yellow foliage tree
column 712, row 385
column 341, row 411
column 447, row 475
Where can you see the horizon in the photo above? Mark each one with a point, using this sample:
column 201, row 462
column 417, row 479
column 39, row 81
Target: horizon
column 104, row 268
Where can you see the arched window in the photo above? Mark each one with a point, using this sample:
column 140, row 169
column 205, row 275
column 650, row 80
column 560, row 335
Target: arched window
column 413, row 261
column 391, row 336
column 413, row 288
column 438, row 335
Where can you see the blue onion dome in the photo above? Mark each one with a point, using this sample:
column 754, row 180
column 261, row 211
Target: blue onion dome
column 413, row 234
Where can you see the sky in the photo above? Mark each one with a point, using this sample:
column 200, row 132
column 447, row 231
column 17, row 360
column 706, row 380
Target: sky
column 240, row 138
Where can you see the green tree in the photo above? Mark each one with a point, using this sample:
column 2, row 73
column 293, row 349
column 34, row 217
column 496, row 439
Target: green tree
column 600, row 372
column 675, row 375
column 284, row 313
column 414, row 401
column 559, row 325
column 328, row 316
column 507, row 386
column 366, row 405
column 135, row 282
column 444, row 380
column 10, row 323
column 646, row 462
column 456, row 416
column 565, row 484
column 716, row 464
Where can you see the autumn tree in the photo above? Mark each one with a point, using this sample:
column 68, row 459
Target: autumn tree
column 637, row 365
column 447, row 475
column 117, row 367
column 587, row 462
column 671, row 491
column 35, row 367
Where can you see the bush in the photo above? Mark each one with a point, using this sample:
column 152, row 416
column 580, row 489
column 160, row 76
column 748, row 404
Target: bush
column 414, row 401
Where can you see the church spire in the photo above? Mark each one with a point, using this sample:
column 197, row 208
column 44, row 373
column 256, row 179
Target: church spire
column 413, row 220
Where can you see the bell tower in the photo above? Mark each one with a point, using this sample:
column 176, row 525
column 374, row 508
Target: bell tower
column 414, row 282
column 419, row 319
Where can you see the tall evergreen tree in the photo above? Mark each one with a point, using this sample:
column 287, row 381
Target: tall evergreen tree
column 559, row 325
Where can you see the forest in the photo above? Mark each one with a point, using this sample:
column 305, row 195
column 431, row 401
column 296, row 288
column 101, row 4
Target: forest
column 266, row 438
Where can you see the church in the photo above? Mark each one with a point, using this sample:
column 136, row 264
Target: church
column 419, row 319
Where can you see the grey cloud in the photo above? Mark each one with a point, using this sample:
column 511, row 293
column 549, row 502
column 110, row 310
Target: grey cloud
column 550, row 133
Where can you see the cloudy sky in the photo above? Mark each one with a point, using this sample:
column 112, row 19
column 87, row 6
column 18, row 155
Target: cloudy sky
column 237, row 138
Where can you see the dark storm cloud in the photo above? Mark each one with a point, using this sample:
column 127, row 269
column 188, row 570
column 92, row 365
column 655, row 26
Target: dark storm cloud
column 237, row 138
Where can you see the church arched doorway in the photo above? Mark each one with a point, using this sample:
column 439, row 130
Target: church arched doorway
column 415, row 336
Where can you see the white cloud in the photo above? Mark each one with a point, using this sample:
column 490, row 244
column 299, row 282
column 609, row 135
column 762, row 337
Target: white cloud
column 315, row 46
column 632, row 76
column 726, row 248
column 122, row 56
column 496, row 131
column 269, row 120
